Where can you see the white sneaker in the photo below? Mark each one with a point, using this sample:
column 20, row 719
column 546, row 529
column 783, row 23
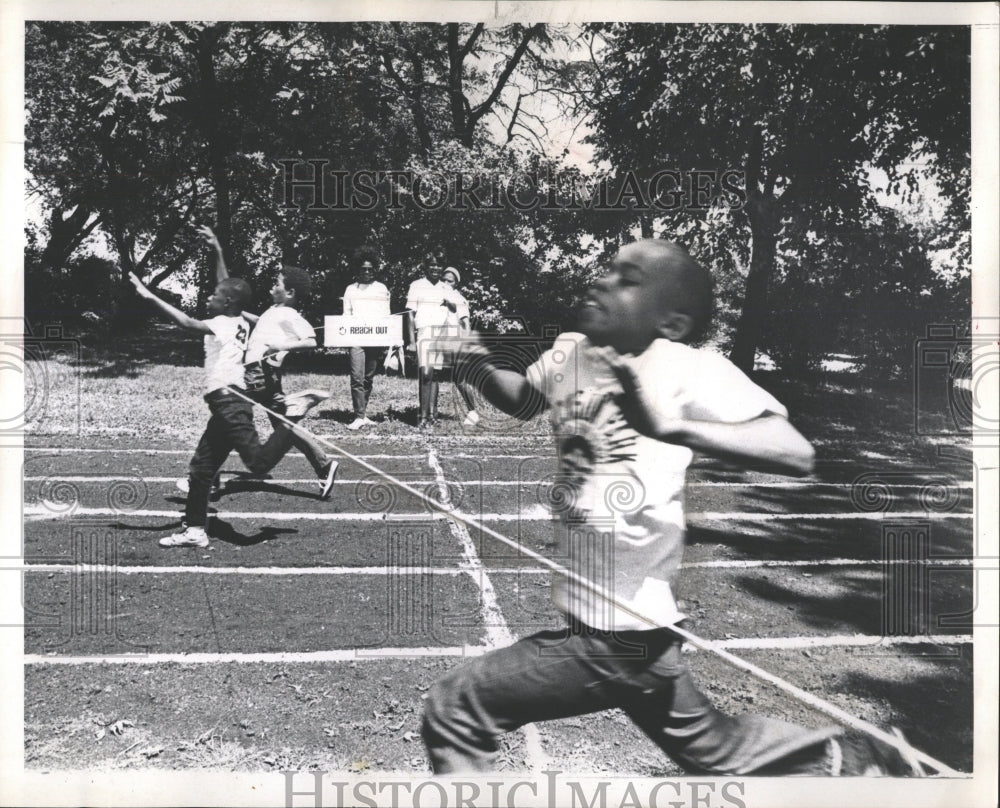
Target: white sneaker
column 298, row 404
column 357, row 423
column 191, row 537
column 472, row 419
column 326, row 481
column 369, row 422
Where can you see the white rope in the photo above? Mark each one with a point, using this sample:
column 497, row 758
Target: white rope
column 908, row 752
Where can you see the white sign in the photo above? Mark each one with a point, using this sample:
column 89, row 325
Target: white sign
column 346, row 331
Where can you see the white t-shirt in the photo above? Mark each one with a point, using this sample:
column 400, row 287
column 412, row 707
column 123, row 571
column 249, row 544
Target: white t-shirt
column 277, row 325
column 454, row 318
column 425, row 298
column 619, row 498
column 224, row 349
column 368, row 300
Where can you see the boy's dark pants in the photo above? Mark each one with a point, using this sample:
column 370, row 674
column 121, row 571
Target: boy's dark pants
column 556, row 674
column 229, row 427
column 263, row 385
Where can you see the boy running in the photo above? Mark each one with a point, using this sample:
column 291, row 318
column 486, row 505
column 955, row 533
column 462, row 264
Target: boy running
column 279, row 330
column 231, row 423
column 629, row 400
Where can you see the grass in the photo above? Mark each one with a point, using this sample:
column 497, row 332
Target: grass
column 150, row 387
column 154, row 389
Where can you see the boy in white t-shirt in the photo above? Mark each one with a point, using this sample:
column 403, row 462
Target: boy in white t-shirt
column 277, row 331
column 629, row 400
column 231, row 423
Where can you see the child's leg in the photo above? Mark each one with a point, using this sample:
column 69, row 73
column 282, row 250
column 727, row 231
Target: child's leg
column 209, row 456
column 559, row 674
column 464, row 390
column 301, row 440
column 552, row 674
column 681, row 720
column 236, row 418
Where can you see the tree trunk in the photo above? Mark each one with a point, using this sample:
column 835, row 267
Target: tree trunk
column 456, row 91
column 762, row 210
column 66, row 233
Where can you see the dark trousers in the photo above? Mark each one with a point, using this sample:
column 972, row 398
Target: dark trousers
column 364, row 364
column 557, row 674
column 263, row 385
column 229, row 427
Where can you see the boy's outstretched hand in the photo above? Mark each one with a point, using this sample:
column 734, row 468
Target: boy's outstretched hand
column 140, row 287
column 635, row 405
column 208, row 234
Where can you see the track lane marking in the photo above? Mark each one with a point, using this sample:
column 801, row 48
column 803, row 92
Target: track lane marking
column 534, row 514
column 498, row 633
column 376, row 654
column 737, row 564
column 239, row 478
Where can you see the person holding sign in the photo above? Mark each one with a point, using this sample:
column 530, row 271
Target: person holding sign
column 429, row 302
column 365, row 298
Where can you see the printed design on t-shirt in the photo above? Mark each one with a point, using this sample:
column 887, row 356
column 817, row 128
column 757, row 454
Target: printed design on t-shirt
column 242, row 332
column 592, row 435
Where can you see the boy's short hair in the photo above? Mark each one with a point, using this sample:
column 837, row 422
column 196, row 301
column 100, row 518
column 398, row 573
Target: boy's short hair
column 691, row 291
column 238, row 291
column 298, row 281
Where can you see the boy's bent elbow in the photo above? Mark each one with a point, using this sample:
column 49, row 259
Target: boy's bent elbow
column 796, row 455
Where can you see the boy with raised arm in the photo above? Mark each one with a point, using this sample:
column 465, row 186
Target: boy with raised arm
column 629, row 400
column 279, row 330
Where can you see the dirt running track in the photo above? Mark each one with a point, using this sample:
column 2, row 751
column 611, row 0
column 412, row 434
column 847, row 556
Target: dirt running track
column 307, row 633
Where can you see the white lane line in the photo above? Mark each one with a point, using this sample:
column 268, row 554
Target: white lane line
column 498, row 634
column 877, row 516
column 335, row 655
column 97, row 478
column 533, row 514
column 194, row 569
column 39, row 452
column 250, row 571
column 844, row 641
column 376, row 654
column 751, row 563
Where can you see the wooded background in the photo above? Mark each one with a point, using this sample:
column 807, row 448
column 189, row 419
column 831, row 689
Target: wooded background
column 854, row 141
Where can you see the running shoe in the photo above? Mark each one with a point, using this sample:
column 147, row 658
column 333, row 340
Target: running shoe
column 298, row 404
column 326, row 481
column 191, row 537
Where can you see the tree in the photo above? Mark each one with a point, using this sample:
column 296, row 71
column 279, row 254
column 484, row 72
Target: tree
column 137, row 131
column 803, row 111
